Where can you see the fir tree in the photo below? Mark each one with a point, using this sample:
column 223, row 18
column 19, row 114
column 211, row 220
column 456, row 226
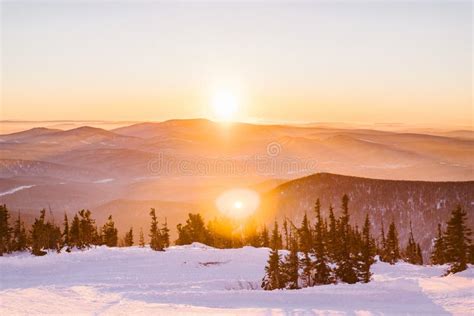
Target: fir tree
column 5, row 230
column 367, row 252
column 457, row 241
column 19, row 240
column 412, row 251
column 305, row 247
column 141, row 239
column 392, row 249
column 333, row 239
column 128, row 240
column 290, row 266
column 194, row 231
column 419, row 255
column 346, row 267
column 165, row 234
column 87, row 230
column 273, row 278
column 38, row 235
column 322, row 268
column 155, row 234
column 110, row 233
column 66, row 233
column 383, row 245
column 75, row 233
column 285, row 232
column 265, row 239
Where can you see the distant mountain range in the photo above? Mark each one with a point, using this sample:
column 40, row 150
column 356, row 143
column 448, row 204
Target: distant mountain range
column 188, row 163
column 424, row 204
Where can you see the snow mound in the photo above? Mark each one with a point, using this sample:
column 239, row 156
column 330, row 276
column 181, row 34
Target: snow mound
column 197, row 279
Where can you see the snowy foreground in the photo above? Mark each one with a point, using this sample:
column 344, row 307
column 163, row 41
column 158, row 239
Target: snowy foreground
column 197, row 279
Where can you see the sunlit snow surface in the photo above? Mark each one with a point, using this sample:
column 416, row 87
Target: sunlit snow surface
column 197, row 279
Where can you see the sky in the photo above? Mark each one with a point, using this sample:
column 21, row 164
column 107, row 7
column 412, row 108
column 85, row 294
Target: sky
column 359, row 61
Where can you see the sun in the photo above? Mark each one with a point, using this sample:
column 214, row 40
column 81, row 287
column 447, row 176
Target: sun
column 224, row 105
column 238, row 203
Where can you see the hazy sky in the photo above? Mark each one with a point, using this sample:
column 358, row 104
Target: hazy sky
column 370, row 61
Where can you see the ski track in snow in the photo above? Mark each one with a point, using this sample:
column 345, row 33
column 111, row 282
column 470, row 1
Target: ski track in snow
column 11, row 191
column 200, row 280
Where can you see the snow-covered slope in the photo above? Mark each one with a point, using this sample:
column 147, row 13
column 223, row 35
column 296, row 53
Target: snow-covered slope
column 197, row 279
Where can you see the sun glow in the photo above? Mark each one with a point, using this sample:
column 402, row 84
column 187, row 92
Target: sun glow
column 225, row 105
column 238, row 203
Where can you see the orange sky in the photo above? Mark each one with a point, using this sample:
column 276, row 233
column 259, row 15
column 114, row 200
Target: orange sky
column 353, row 62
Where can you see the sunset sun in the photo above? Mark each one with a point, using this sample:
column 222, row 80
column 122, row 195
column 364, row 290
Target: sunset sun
column 224, row 105
column 238, row 203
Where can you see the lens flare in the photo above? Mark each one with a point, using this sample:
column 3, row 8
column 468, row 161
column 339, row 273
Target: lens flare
column 238, row 203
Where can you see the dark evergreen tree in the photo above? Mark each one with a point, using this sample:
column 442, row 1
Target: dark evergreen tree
column 457, row 241
column 321, row 265
column 367, row 252
column 252, row 237
column 128, row 240
column 165, row 234
column 66, row 233
column 286, row 234
column 273, row 278
column 345, row 260
column 38, row 235
column 5, row 230
column 141, row 239
column 194, row 231
column 412, row 251
column 110, row 233
column 75, row 238
column 419, row 254
column 392, row 249
column 333, row 239
column 290, row 265
column 305, row 246
column 438, row 255
column 87, row 230
column 265, row 239
column 383, row 245
column 20, row 238
column 156, row 242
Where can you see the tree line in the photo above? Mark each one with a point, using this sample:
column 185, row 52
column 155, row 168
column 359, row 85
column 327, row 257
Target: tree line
column 319, row 250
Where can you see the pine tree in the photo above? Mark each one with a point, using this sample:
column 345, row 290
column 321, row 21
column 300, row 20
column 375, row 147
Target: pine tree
column 155, row 234
column 165, row 234
column 392, row 250
column 321, row 266
column 290, row 265
column 346, row 267
column 19, row 240
column 306, row 240
column 412, row 251
column 128, row 240
column 5, row 230
column 75, row 238
column 66, row 233
column 438, row 255
column 285, row 232
column 367, row 252
column 383, row 245
column 419, row 255
column 457, row 240
column 194, row 231
column 333, row 240
column 110, row 233
column 87, row 230
column 265, row 239
column 141, row 239
column 273, row 278
column 39, row 238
